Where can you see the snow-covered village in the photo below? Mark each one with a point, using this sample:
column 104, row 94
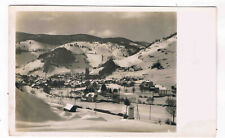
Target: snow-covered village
column 93, row 82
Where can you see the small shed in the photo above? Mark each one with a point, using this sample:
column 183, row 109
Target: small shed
column 70, row 108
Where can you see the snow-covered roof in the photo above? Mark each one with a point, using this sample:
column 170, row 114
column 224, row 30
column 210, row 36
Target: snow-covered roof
column 163, row 88
column 92, row 94
column 68, row 106
column 160, row 87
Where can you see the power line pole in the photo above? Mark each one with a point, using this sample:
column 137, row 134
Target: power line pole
column 138, row 115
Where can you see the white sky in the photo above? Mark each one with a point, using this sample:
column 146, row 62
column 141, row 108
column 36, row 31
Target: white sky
column 137, row 26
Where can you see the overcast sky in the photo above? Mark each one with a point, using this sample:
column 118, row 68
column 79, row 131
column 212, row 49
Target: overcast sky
column 137, row 26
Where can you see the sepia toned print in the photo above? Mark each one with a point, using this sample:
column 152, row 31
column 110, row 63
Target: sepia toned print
column 96, row 71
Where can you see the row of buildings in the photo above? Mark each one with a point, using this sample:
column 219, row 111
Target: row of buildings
column 156, row 88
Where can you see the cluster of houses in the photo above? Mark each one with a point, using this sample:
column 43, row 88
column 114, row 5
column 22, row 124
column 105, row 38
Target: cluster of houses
column 90, row 90
column 156, row 88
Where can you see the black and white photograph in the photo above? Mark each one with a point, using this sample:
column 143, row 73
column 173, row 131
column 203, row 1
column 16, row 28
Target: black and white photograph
column 96, row 71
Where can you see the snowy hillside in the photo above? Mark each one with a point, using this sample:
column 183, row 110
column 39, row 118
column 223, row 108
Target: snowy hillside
column 94, row 53
column 57, row 40
column 33, row 46
column 29, row 50
column 99, row 53
column 86, row 54
column 159, row 50
column 91, row 50
column 163, row 53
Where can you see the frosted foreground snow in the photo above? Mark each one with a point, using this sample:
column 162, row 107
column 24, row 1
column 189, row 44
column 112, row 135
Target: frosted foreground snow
column 95, row 122
column 82, row 120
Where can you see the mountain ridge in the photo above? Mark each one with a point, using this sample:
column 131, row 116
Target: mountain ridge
column 110, row 60
column 22, row 36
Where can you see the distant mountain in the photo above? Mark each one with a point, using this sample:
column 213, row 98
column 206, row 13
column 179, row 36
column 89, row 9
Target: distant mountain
column 131, row 46
column 55, row 39
column 97, row 49
column 58, row 54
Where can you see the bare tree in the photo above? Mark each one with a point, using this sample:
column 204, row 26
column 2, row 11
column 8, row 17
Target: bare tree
column 150, row 101
column 133, row 89
column 171, row 108
column 127, row 103
column 137, row 101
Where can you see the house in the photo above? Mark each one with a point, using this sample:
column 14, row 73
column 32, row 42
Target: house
column 70, row 108
column 146, row 85
column 161, row 90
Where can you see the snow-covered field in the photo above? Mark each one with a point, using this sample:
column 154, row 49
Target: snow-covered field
column 85, row 119
column 89, row 120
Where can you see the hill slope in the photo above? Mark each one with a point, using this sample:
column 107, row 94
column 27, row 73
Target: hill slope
column 162, row 52
column 98, row 50
column 31, row 109
column 57, row 61
column 89, row 51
